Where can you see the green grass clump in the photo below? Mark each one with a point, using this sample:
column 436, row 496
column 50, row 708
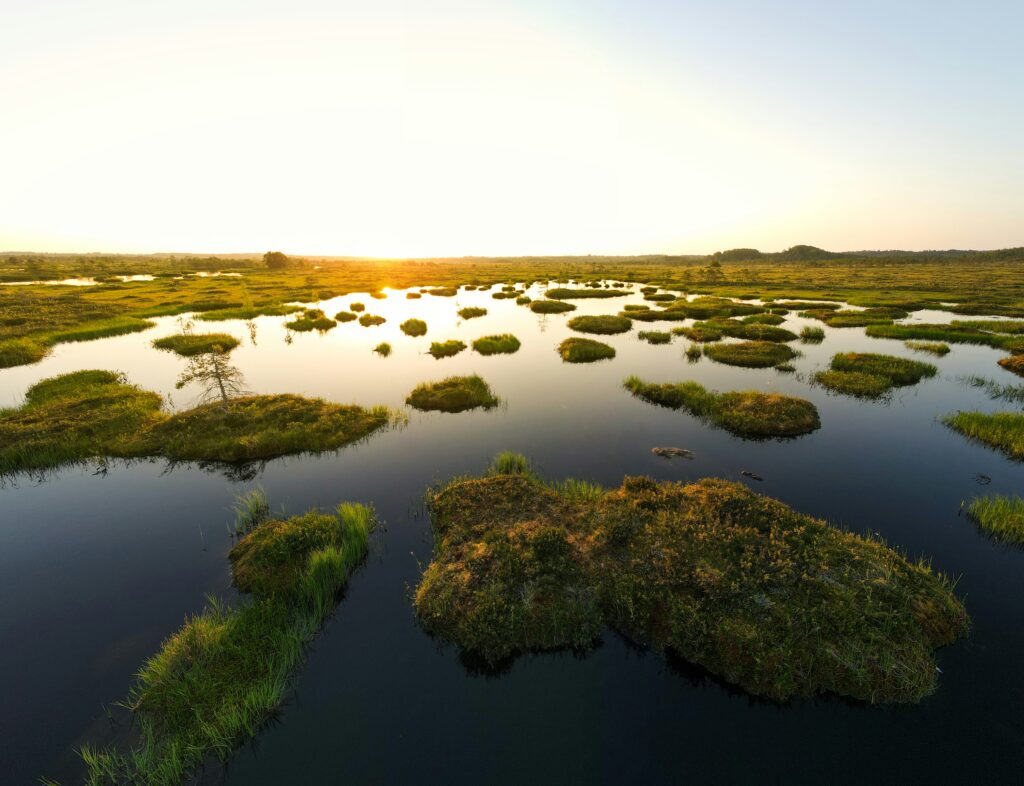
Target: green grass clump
column 189, row 344
column 216, row 681
column 414, row 327
column 443, row 291
column 1014, row 364
column 635, row 307
column 654, row 336
column 454, row 394
column 413, row 295
column 1001, row 430
column 356, row 307
column 999, row 516
column 345, row 316
column 584, row 350
column 371, row 320
column 88, row 414
column 523, row 300
column 565, row 293
column 750, row 354
column 754, row 331
column 311, row 319
column 694, row 353
column 21, row 351
column 932, row 347
column 701, row 333
column 812, row 335
column 500, row 344
column 768, row 318
column 446, row 349
column 1011, row 326
column 745, row 413
column 383, row 349
column 471, row 312
column 948, row 333
column 899, row 371
column 660, row 297
column 868, row 375
column 603, row 324
column 551, row 307
column 774, row 601
column 31, row 349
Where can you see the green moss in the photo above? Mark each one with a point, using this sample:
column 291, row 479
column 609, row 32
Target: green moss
column 472, row 312
column 89, row 414
column 702, row 333
column 223, row 675
column 654, row 336
column 446, row 349
column 932, row 347
column 999, row 516
column 383, row 349
column 584, row 350
column 604, row 324
column 1001, row 430
column 854, row 383
column 1014, row 364
column 746, row 413
column 768, row 318
column 500, row 344
column 899, row 371
column 660, row 297
column 812, row 335
column 750, row 354
column 551, row 307
column 371, row 320
column 565, row 293
column 750, row 331
column 189, row 344
column 414, row 327
column 454, row 394
column 635, row 307
column 771, row 600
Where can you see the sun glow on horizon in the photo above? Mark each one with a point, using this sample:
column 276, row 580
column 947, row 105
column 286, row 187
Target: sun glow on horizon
column 512, row 130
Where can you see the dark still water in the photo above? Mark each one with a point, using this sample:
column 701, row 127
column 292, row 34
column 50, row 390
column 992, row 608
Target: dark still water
column 97, row 569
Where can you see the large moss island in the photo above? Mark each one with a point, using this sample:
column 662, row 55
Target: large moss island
column 93, row 414
column 766, row 598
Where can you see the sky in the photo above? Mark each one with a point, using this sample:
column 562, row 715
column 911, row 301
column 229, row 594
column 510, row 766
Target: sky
column 512, row 127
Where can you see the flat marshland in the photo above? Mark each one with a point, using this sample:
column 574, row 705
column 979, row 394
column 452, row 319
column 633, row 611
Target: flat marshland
column 121, row 464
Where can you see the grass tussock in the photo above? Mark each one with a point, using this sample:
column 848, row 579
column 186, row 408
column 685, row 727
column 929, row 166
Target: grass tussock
column 345, row 316
column 189, row 344
column 774, row 601
column 446, row 349
column 950, row 334
column 999, row 516
column 357, row 307
column 654, row 336
column 311, row 319
column 500, row 344
column 216, row 681
column 702, row 334
column 750, row 354
column 246, row 312
column 89, row 414
column 414, row 327
column 584, row 350
column 472, row 312
column 454, row 394
column 812, row 335
column 566, row 293
column 383, row 349
column 744, row 413
column 1013, row 364
column 937, row 348
column 551, row 307
column 1003, row 431
column 371, row 320
column 603, row 324
column 869, row 375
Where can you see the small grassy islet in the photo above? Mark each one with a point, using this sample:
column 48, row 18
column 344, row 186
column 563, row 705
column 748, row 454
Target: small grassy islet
column 414, row 327
column 446, row 349
column 1000, row 516
column 870, row 375
column 189, row 344
column 499, row 344
column 750, row 354
column 603, row 324
column 584, row 350
column 453, row 394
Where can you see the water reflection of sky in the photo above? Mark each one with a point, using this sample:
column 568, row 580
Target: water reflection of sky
column 96, row 569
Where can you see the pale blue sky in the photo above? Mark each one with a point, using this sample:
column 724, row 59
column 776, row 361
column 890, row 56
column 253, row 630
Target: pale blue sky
column 449, row 128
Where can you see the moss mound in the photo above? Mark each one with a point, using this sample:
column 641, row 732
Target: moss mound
column 604, row 324
column 699, row 333
column 654, row 336
column 584, row 350
column 371, row 320
column 744, row 413
column 771, row 600
column 551, row 307
column 751, row 354
column 414, row 327
column 89, row 414
column 311, row 319
column 446, row 349
column 566, row 293
column 345, row 316
column 868, row 375
column 471, row 312
column 189, row 344
column 500, row 344
column 454, row 394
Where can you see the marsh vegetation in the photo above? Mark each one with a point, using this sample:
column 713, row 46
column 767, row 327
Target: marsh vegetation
column 750, row 354
column 600, row 324
column 446, row 349
column 500, row 344
column 870, row 375
column 584, row 350
column 453, row 394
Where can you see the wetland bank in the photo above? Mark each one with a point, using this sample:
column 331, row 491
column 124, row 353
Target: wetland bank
column 761, row 439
